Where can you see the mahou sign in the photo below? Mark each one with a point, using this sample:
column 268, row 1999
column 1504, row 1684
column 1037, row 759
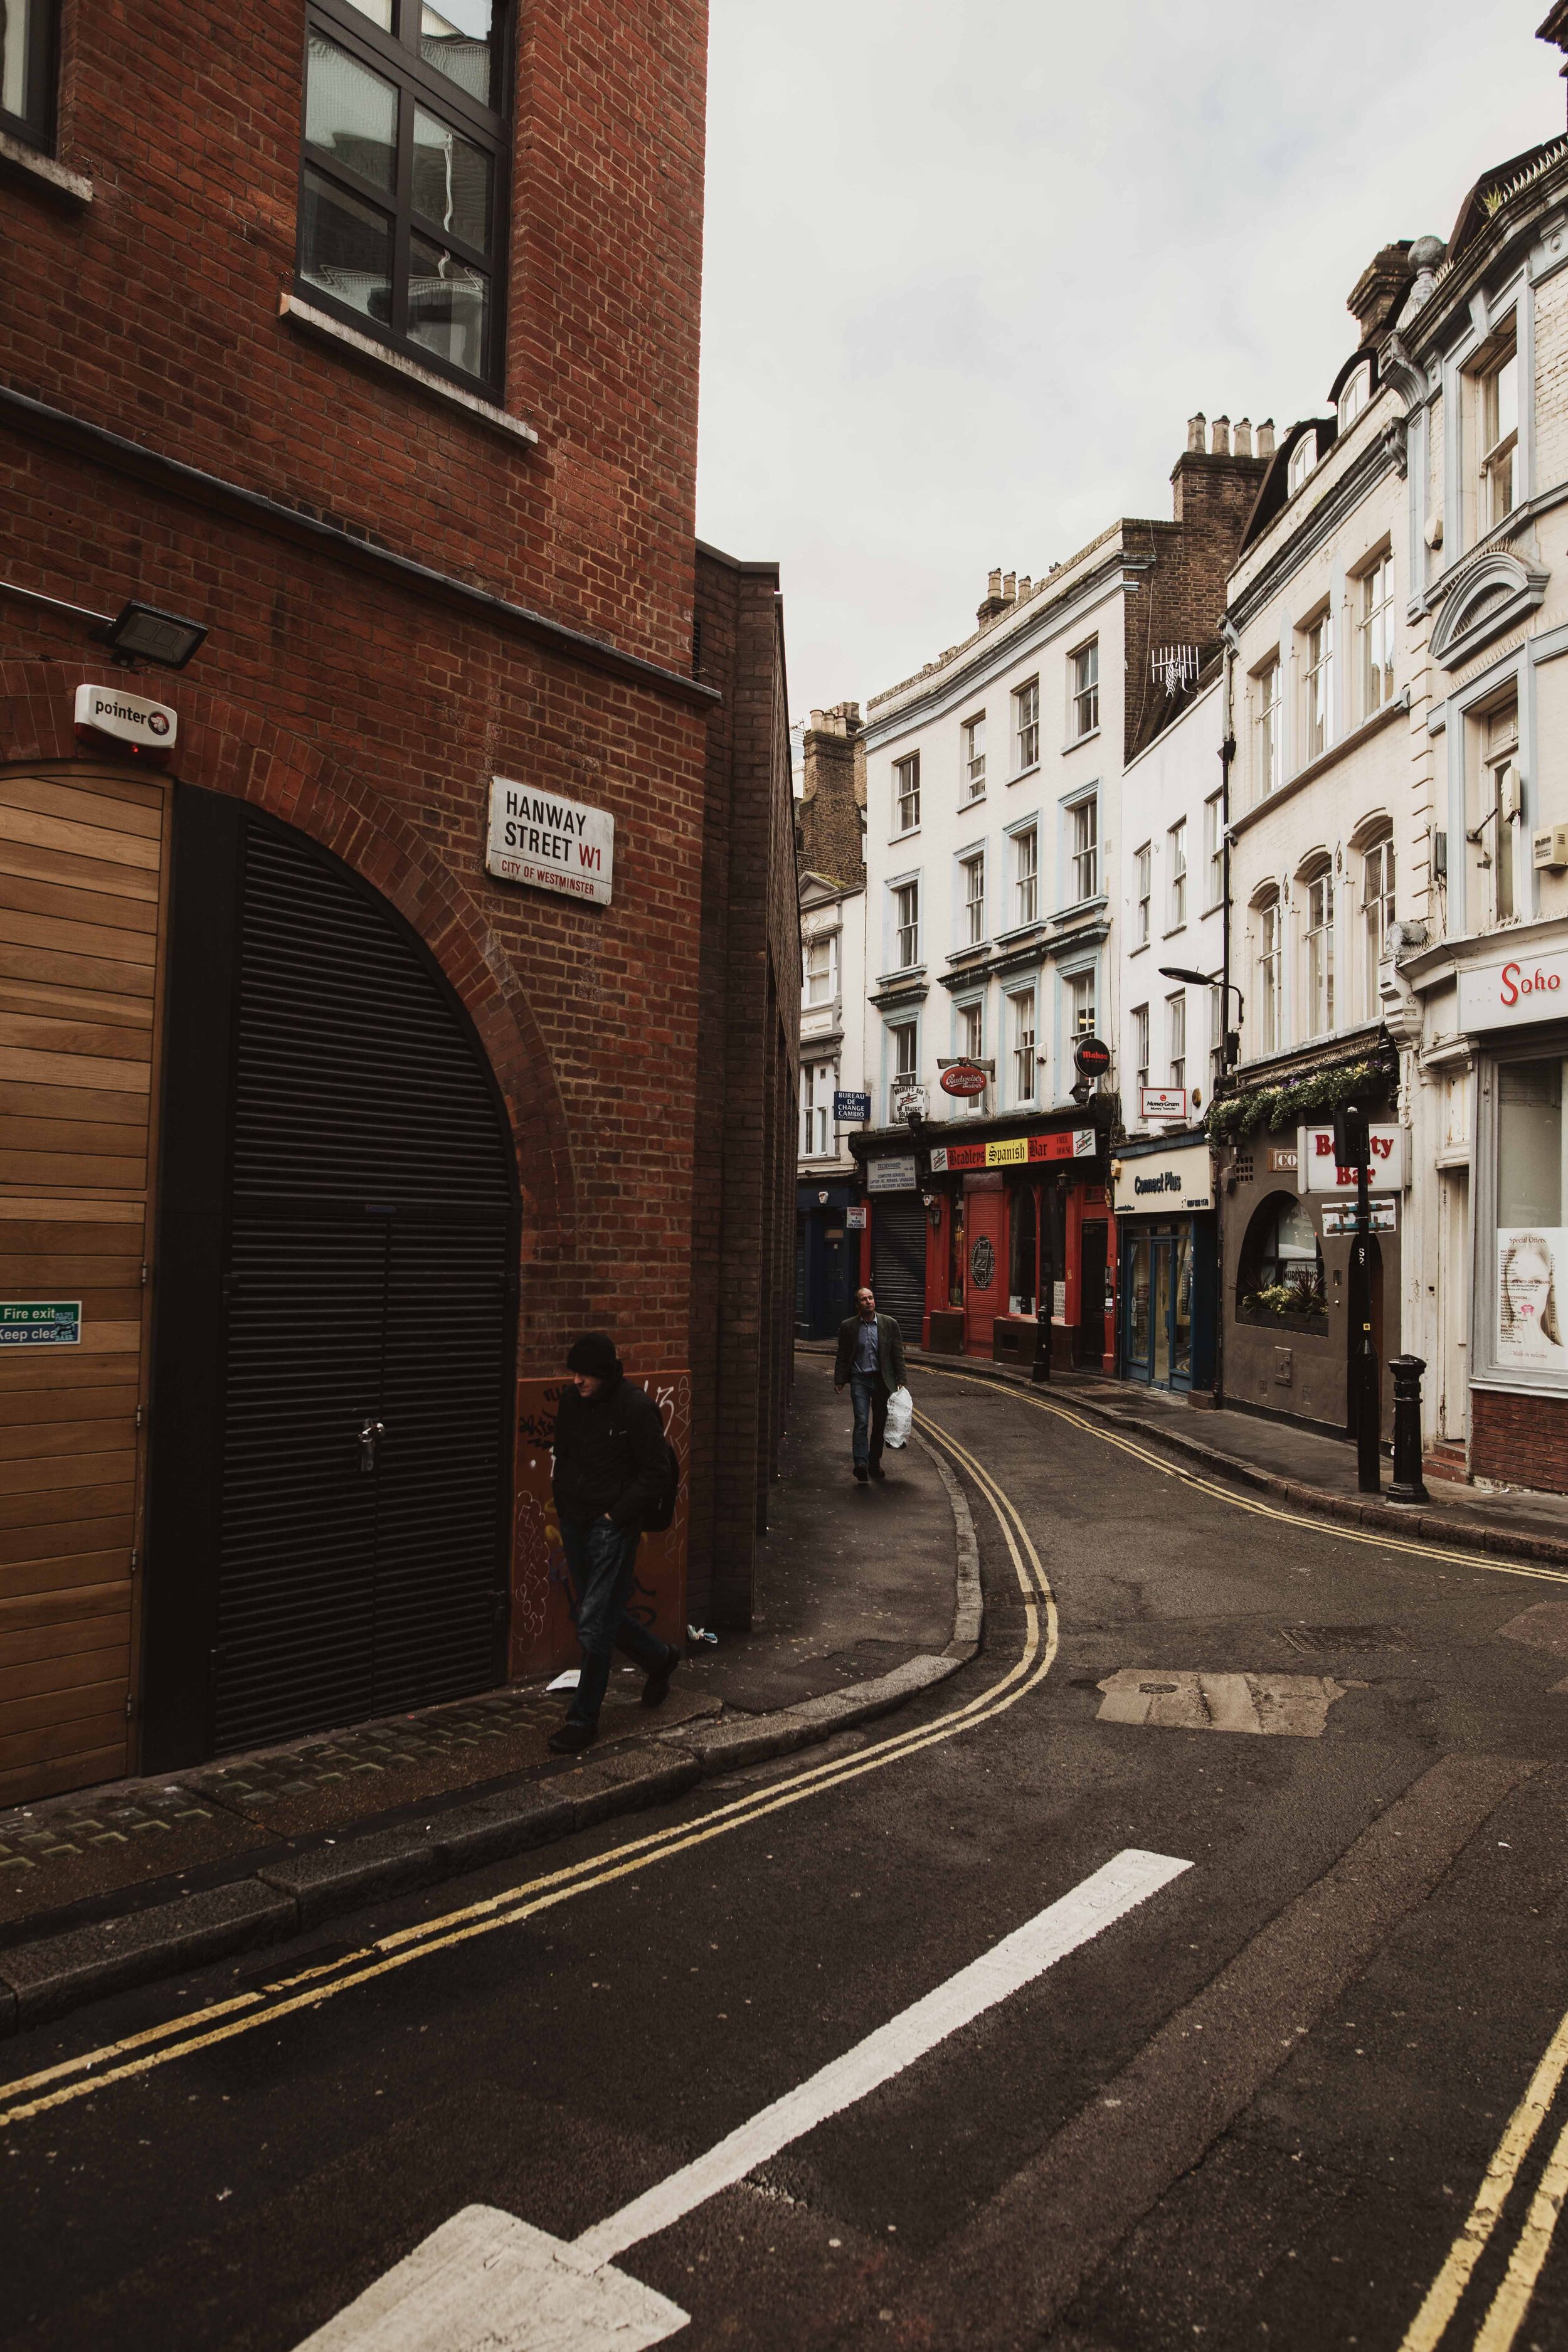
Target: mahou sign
column 1507, row 993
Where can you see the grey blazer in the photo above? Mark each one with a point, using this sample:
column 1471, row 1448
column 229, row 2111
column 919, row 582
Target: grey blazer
column 891, row 1342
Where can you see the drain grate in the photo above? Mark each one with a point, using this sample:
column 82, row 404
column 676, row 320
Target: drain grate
column 1325, row 1640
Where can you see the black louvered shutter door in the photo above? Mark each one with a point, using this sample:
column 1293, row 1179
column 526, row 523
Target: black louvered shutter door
column 898, row 1231
column 371, row 1242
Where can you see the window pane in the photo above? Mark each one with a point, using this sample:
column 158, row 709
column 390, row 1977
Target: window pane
column 15, row 22
column 452, row 181
column 345, row 247
column 448, row 304
column 1530, row 1144
column 378, row 11
column 1504, row 417
column 352, row 112
column 456, row 39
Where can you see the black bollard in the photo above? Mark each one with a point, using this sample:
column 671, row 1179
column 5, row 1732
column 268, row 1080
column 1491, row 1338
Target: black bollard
column 1407, row 1486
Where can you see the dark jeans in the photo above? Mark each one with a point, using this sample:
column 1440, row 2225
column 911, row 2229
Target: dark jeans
column 868, row 1395
column 603, row 1560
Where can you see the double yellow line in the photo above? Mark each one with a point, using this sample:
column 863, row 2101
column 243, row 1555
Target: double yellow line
column 1505, row 2314
column 160, row 2045
column 1219, row 1493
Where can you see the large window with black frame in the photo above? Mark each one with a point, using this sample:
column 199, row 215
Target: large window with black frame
column 28, row 70
column 403, row 181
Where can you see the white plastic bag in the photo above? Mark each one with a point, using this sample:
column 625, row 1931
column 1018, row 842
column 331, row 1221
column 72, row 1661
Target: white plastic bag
column 901, row 1414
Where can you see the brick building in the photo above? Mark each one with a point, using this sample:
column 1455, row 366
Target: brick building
column 367, row 338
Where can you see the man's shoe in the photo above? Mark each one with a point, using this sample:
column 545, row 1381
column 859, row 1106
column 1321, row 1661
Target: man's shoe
column 861, row 1472
column 877, row 1471
column 572, row 1738
column 655, row 1690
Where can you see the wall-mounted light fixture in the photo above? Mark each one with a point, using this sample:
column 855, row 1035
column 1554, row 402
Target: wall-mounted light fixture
column 136, row 633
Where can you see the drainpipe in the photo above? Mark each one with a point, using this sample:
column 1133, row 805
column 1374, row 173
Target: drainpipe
column 1227, row 755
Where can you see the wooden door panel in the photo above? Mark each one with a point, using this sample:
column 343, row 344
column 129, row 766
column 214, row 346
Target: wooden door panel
column 83, row 861
column 65, row 1637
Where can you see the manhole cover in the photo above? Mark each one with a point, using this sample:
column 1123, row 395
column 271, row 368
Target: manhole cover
column 1325, row 1639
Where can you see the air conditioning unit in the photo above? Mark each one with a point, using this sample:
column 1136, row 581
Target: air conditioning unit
column 1551, row 849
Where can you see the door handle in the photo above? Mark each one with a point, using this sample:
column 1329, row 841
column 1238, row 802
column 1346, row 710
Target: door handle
column 371, row 1433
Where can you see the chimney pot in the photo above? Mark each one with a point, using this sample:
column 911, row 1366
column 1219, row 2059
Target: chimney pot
column 1266, row 437
column 1243, row 437
column 1219, row 437
column 1197, row 432
column 819, row 720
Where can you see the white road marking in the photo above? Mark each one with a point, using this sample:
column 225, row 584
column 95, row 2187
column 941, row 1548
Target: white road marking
column 1175, row 1699
column 485, row 2282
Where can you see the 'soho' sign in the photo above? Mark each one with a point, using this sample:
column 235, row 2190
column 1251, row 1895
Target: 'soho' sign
column 549, row 843
column 1507, row 992
column 109, row 710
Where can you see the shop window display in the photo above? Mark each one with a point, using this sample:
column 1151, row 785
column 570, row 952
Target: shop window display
column 1531, row 1239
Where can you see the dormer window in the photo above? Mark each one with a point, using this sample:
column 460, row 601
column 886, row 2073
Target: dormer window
column 1303, row 457
column 1355, row 395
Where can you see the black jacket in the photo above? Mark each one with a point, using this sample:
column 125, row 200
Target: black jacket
column 609, row 1455
column 890, row 1363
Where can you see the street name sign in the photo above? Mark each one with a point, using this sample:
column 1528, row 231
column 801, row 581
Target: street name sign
column 548, row 843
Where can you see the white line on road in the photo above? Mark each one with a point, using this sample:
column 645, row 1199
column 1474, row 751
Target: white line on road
column 486, row 2279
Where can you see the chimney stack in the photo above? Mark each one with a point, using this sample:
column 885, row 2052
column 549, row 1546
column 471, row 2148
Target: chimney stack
column 1379, row 292
column 995, row 604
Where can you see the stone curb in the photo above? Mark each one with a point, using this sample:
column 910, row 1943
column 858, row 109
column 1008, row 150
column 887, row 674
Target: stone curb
column 1393, row 1519
column 44, row 1979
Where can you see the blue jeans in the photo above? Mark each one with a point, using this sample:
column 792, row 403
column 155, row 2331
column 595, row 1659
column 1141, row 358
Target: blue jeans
column 603, row 1560
column 868, row 1395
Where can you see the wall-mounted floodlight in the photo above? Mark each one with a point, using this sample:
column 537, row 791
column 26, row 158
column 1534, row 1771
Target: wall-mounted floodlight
column 137, row 633
column 146, row 633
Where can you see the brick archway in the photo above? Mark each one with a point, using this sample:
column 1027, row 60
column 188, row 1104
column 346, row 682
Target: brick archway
column 229, row 747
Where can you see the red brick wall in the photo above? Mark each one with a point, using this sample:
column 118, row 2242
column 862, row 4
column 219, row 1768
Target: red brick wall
column 1520, row 1440
column 745, row 1081
column 154, row 310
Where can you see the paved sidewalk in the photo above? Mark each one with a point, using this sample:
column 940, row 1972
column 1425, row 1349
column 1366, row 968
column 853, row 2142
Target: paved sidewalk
column 1317, row 1472
column 865, row 1596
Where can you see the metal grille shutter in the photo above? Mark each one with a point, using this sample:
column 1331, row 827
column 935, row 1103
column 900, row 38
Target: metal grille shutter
column 898, row 1231
column 367, row 1279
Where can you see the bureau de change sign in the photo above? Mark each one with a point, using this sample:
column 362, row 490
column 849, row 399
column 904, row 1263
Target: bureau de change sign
column 548, row 843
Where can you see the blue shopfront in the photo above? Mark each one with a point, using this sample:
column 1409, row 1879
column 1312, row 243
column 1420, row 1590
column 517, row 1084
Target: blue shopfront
column 827, row 1256
column 1165, row 1225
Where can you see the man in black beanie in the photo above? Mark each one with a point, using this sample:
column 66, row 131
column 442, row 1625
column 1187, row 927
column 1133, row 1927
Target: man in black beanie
column 609, row 1470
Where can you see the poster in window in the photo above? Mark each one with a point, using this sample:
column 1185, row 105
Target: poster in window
column 1531, row 1265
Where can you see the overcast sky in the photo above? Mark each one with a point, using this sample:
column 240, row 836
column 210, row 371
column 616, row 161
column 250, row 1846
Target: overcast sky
column 971, row 264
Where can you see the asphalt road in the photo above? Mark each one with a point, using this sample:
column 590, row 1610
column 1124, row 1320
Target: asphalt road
column 1253, row 2101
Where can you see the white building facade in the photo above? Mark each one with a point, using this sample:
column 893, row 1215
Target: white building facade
column 1169, row 922
column 993, row 850
column 829, row 827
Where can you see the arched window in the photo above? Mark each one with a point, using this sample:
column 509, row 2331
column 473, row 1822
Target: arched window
column 1281, row 1267
column 1376, row 914
column 1317, row 880
column 1270, row 994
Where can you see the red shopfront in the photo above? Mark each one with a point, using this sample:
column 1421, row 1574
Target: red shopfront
column 1003, row 1208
